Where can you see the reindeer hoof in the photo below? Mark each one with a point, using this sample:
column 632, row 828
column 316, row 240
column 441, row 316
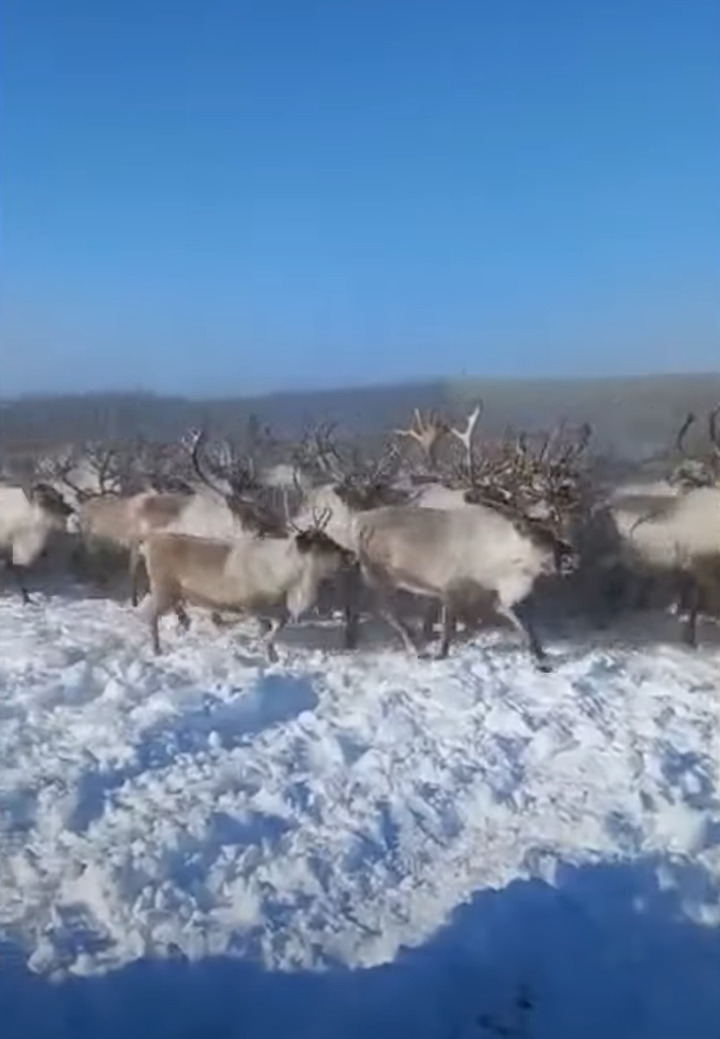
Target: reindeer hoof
column 544, row 666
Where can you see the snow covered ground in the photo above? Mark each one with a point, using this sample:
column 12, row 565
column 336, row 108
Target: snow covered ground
column 202, row 845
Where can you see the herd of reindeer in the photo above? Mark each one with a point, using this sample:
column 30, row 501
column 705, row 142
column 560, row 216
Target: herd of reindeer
column 440, row 520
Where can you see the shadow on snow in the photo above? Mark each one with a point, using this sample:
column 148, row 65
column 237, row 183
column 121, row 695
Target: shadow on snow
column 608, row 950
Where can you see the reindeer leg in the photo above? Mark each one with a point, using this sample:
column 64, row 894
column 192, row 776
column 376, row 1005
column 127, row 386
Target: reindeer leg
column 350, row 593
column 382, row 594
column 690, row 599
column 18, row 575
column 428, row 628
column 135, row 565
column 155, row 630
column 276, row 626
column 350, row 634
column 448, row 630
column 612, row 590
column 388, row 614
column 524, row 624
column 161, row 602
column 183, row 619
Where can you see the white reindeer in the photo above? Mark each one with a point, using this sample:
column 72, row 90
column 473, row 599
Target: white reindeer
column 675, row 535
column 259, row 576
column 28, row 518
column 668, row 528
column 212, row 511
column 452, row 555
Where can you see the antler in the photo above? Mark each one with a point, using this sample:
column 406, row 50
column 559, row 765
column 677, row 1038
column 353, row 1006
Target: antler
column 527, row 480
column 713, row 430
column 373, row 474
column 102, row 459
column 320, row 520
column 385, row 464
column 682, row 433
column 425, row 431
column 238, row 468
column 193, row 441
column 318, row 448
column 551, row 440
column 465, row 435
column 58, row 468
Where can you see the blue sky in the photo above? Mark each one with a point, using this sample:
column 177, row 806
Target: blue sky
column 242, row 195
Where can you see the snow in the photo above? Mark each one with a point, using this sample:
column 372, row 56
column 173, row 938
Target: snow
column 203, row 845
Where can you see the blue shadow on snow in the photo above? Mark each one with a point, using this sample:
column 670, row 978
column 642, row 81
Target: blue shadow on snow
column 608, row 951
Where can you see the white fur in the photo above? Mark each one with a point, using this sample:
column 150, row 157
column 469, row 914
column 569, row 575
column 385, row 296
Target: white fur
column 24, row 526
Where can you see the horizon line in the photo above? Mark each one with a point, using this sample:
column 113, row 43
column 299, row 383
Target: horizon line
column 445, row 380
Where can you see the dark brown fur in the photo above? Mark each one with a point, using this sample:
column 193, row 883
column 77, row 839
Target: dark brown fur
column 361, row 498
column 319, row 541
column 49, row 499
column 254, row 517
column 162, row 509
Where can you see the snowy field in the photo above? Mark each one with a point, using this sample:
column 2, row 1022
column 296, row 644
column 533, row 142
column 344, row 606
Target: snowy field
column 201, row 846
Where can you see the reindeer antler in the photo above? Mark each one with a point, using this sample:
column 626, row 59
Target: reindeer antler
column 237, row 469
column 193, row 441
column 713, row 430
column 425, row 431
column 465, row 435
column 318, row 449
column 682, row 433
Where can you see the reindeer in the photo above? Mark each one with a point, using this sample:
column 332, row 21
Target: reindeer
column 123, row 521
column 29, row 516
column 511, row 478
column 666, row 529
column 450, row 556
column 350, row 485
column 260, row 576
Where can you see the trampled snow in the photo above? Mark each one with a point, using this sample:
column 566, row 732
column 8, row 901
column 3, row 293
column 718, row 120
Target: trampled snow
column 202, row 844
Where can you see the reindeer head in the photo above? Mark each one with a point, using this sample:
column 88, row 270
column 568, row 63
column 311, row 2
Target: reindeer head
column 369, row 484
column 47, row 498
column 239, row 481
column 315, row 539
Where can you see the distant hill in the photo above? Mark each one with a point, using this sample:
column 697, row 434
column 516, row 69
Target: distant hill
column 632, row 416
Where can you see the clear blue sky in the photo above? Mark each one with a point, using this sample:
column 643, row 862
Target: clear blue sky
column 231, row 196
